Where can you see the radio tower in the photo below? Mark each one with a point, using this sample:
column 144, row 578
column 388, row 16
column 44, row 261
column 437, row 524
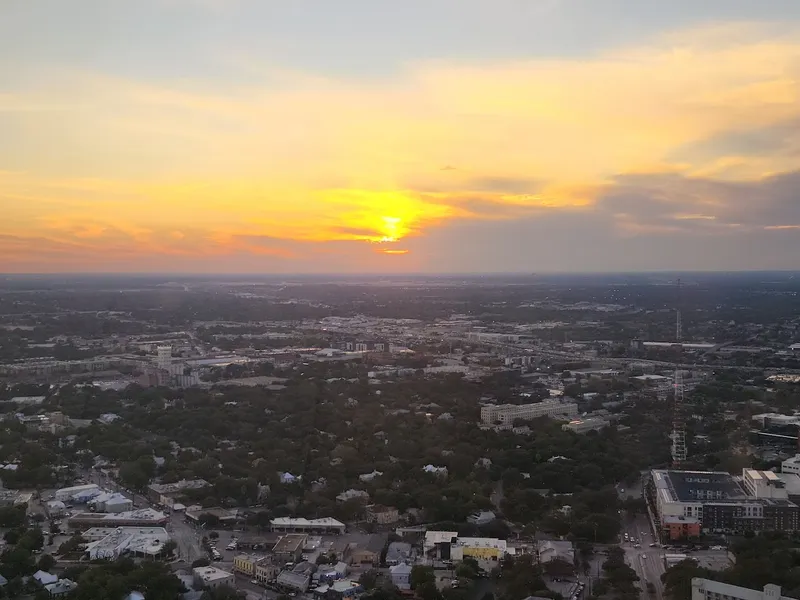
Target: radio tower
column 678, row 424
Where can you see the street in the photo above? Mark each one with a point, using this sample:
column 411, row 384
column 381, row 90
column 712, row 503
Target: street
column 645, row 560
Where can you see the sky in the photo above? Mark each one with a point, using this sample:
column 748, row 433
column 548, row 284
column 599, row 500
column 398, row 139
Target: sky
column 311, row 136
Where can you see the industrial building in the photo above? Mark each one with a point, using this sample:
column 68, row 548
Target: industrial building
column 708, row 589
column 505, row 414
column 319, row 526
column 687, row 502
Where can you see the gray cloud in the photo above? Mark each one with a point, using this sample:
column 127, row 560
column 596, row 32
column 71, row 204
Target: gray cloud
column 778, row 139
column 662, row 199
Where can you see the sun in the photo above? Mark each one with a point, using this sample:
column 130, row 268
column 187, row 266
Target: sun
column 392, row 229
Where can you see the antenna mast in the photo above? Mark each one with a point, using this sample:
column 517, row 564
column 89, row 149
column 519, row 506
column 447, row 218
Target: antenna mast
column 678, row 424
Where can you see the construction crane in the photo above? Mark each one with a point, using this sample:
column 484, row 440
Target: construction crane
column 678, row 420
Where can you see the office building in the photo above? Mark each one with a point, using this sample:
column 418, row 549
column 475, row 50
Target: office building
column 505, row 414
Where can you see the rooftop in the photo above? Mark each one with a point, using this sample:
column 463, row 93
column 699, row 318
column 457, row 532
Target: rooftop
column 695, row 486
column 291, row 522
column 290, row 543
column 210, row 574
column 179, row 486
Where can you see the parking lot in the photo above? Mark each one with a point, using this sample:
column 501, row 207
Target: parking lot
column 716, row 560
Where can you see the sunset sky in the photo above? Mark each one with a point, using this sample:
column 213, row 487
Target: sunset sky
column 283, row 136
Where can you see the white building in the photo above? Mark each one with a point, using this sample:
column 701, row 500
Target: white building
column 300, row 525
column 585, row 425
column 775, row 420
column 504, row 414
column 211, row 577
column 352, row 494
column 706, row 589
column 401, row 576
column 65, row 494
column 764, row 484
column 111, row 503
column 148, row 542
column 164, row 359
column 28, row 400
column 791, row 465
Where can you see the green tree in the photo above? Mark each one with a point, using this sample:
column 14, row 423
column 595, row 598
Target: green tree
column 369, row 579
column 420, row 575
column 46, row 562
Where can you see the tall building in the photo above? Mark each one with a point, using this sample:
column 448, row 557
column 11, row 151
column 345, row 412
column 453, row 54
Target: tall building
column 164, row 360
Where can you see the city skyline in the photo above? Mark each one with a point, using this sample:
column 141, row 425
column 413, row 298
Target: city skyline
column 553, row 135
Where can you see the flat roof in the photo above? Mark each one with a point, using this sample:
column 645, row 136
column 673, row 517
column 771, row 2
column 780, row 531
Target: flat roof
column 300, row 522
column 697, row 486
column 290, row 543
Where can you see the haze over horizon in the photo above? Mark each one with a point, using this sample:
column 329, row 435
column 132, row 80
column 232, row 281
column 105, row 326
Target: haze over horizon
column 243, row 136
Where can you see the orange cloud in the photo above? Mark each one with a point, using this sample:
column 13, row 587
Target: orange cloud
column 186, row 170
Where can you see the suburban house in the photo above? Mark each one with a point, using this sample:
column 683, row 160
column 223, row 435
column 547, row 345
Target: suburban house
column 401, row 576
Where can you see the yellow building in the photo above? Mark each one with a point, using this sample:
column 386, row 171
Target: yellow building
column 482, row 553
column 246, row 563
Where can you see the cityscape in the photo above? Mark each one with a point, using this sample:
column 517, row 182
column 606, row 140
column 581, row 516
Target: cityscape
column 449, row 437
column 410, row 300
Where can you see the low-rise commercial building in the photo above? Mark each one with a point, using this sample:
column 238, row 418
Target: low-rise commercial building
column 290, row 547
column 707, row 589
column 246, row 563
column 319, row 526
column 266, row 570
column 143, row 517
column 66, row 494
column 143, row 542
column 168, row 493
column 447, row 545
column 211, row 577
column 111, row 503
column 586, row 425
